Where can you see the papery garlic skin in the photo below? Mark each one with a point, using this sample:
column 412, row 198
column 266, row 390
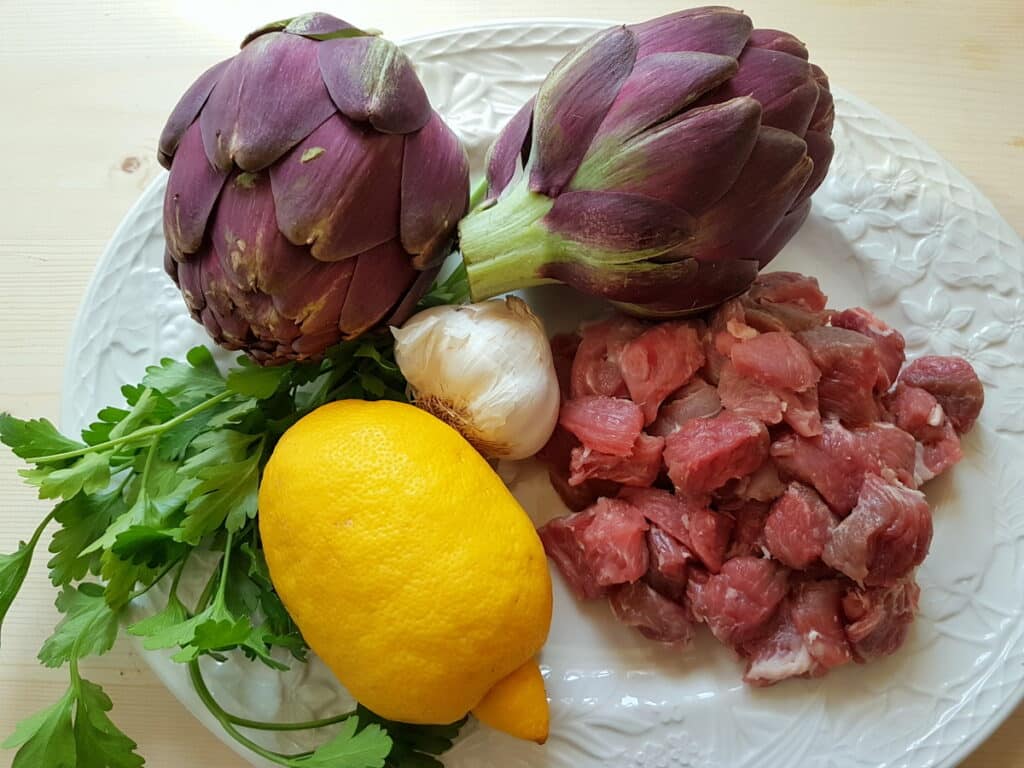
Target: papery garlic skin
column 485, row 369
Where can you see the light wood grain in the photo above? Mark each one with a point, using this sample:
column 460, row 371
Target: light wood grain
column 85, row 87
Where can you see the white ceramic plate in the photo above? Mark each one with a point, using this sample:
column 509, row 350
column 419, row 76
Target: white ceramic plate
column 895, row 229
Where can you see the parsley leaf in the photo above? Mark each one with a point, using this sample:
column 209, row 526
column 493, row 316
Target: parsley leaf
column 89, row 626
column 34, row 438
column 414, row 745
column 49, row 739
column 14, row 568
column 257, row 381
column 186, row 384
column 351, row 747
column 83, row 519
column 89, row 473
column 226, row 473
column 99, row 743
column 46, row 739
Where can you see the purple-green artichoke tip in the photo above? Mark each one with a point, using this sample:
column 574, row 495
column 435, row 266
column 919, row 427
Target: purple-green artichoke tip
column 313, row 192
column 659, row 166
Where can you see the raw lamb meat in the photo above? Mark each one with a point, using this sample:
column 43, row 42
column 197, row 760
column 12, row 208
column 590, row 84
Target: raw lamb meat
column 755, row 471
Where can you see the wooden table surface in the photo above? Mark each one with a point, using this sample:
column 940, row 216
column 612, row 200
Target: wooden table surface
column 87, row 84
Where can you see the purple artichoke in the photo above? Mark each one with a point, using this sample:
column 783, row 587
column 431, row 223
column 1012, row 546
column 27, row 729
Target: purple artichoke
column 313, row 191
column 663, row 164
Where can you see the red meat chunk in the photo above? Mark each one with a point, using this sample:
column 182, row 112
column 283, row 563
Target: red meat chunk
column 953, row 382
column 669, row 564
column 748, row 532
column 849, row 366
column 726, row 327
column 702, row 530
column 939, row 455
column 737, row 603
column 768, row 405
column 697, row 400
column 605, row 424
column 556, row 455
column 595, row 369
column 598, row 548
column 706, row 453
column 775, row 360
column 789, row 288
column 746, row 397
column 818, row 616
column 888, row 341
column 778, row 653
column 916, row 412
column 835, row 462
column 885, row 537
column 798, row 527
column 880, row 617
column 805, row 639
column 640, row 469
column 657, row 617
column 563, row 351
column 658, row 362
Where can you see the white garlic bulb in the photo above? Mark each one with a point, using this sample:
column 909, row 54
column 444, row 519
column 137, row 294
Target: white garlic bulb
column 486, row 370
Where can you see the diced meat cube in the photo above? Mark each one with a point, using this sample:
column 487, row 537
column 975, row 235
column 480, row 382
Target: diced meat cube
column 798, row 527
column 775, row 360
column 789, row 288
column 778, row 653
column 953, row 382
column 766, row 316
column 737, row 603
column 706, row 453
column 818, row 616
column 746, row 397
column 916, row 412
column 702, row 530
column 556, row 455
column 939, row 455
column 563, row 351
column 748, row 532
column 835, row 462
column 598, row 548
column 769, row 405
column 763, row 484
column 726, row 327
column 800, row 411
column 579, row 497
column 697, row 400
column 885, row 537
column 658, row 362
column 595, row 369
column 889, row 342
column 657, row 617
column 606, row 424
column 849, row 366
column 640, row 469
column 669, row 564
column 880, row 617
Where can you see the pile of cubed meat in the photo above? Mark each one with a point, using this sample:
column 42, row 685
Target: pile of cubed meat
column 756, row 471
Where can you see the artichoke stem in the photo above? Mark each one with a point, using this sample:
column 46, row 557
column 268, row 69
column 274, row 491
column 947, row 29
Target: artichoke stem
column 505, row 246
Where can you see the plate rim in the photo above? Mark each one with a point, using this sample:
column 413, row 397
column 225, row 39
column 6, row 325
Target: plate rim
column 977, row 735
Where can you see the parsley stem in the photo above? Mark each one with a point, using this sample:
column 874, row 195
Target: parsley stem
column 309, row 725
column 37, row 534
column 167, row 569
column 225, row 563
column 140, row 434
column 225, row 720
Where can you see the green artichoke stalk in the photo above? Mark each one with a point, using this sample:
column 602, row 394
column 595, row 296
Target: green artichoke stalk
column 313, row 192
column 660, row 166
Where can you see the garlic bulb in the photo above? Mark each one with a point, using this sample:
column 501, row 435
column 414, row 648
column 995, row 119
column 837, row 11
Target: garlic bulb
column 486, row 370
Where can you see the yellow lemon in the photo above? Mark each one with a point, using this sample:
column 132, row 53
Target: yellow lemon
column 409, row 567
